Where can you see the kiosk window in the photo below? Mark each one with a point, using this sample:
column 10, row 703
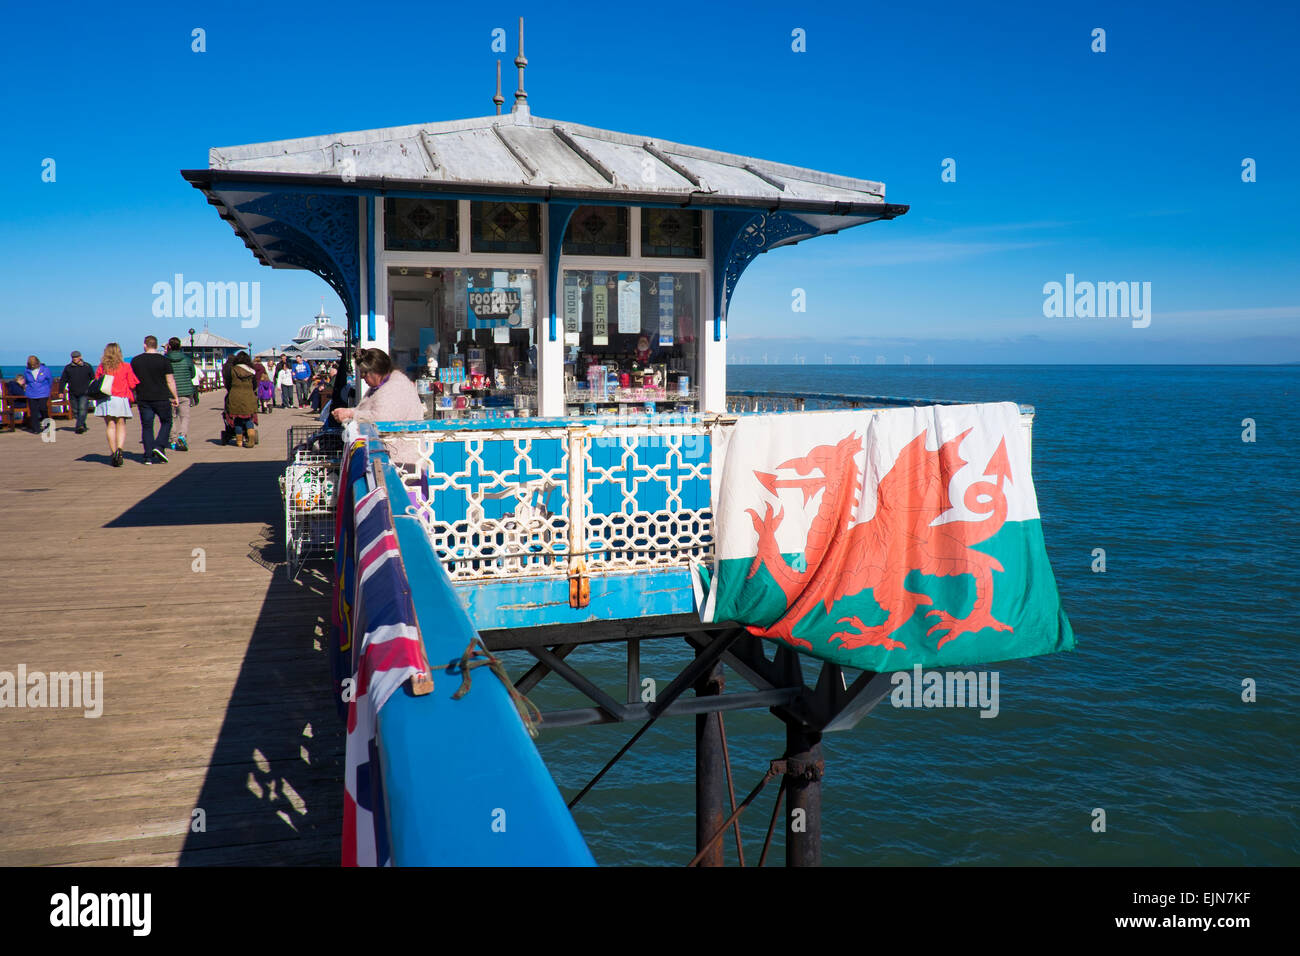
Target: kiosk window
column 630, row 339
column 672, row 233
column 467, row 337
column 505, row 227
column 597, row 231
column 421, row 225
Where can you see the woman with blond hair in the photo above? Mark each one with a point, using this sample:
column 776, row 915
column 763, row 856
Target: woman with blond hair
column 116, row 409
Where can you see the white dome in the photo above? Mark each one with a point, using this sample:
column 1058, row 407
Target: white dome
column 321, row 331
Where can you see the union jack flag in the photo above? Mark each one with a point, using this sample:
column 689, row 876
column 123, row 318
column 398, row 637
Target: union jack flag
column 372, row 599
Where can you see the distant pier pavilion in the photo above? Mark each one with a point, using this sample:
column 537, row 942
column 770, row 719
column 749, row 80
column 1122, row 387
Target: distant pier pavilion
column 210, row 352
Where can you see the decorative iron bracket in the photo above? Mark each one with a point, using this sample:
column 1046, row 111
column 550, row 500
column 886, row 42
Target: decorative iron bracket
column 737, row 238
column 316, row 232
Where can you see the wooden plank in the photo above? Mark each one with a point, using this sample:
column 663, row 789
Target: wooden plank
column 216, row 690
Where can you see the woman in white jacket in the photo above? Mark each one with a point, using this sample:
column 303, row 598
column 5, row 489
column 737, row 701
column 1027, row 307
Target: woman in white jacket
column 284, row 380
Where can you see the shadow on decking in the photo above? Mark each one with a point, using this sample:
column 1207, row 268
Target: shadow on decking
column 273, row 793
column 209, row 492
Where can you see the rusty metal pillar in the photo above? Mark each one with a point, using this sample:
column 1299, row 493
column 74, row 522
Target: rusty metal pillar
column 803, row 787
column 710, row 772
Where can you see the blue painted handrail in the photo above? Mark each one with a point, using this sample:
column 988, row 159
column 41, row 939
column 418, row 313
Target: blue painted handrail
column 464, row 784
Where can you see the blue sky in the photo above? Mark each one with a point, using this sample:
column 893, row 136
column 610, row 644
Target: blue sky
column 1115, row 166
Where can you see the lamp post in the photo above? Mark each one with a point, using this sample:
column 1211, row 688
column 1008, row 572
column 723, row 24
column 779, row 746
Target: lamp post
column 192, row 355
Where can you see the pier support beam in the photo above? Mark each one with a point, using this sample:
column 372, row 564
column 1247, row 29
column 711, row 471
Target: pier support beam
column 710, row 772
column 803, row 783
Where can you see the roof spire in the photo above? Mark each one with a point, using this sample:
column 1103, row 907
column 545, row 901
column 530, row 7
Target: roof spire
column 498, row 99
column 521, row 97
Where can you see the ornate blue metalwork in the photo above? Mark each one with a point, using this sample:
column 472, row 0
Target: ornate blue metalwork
column 370, row 267
column 316, row 232
column 558, row 216
column 737, row 238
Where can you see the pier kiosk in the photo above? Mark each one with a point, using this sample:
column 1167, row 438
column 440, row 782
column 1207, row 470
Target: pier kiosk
column 560, row 294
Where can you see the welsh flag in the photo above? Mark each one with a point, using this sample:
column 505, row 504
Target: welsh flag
column 883, row 539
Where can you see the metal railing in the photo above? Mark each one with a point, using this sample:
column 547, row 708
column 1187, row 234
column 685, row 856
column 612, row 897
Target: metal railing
column 545, row 497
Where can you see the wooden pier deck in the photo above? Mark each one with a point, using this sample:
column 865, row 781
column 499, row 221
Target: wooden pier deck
column 216, row 689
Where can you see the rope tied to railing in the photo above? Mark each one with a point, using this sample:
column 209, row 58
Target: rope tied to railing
column 479, row 656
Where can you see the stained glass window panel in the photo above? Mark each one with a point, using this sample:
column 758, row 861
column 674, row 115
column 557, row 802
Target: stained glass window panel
column 672, row 233
column 597, row 231
column 505, row 227
column 421, row 225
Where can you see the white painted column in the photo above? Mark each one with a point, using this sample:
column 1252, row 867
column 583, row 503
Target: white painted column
column 381, row 310
column 713, row 371
column 713, row 354
column 380, row 339
column 550, row 355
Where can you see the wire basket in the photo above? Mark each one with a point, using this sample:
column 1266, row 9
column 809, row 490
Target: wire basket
column 308, row 487
column 312, row 441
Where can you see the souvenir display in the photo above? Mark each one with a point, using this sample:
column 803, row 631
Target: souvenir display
column 666, row 314
column 471, row 334
column 599, row 310
column 629, row 303
column 639, row 344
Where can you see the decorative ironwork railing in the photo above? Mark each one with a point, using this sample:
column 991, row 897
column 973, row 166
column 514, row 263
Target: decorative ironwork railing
column 515, row 499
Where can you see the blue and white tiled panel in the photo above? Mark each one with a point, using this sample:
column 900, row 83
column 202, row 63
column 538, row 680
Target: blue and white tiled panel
column 648, row 497
column 496, row 504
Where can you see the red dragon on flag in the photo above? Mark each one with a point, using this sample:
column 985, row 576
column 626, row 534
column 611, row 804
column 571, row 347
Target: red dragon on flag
column 843, row 558
column 884, row 538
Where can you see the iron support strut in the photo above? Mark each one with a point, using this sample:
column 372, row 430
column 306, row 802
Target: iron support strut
column 803, row 787
column 710, row 772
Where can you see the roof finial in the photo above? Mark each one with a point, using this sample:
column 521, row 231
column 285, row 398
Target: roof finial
column 498, row 99
column 521, row 97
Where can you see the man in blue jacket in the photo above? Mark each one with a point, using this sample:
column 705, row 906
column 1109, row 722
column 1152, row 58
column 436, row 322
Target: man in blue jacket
column 37, row 383
column 301, row 375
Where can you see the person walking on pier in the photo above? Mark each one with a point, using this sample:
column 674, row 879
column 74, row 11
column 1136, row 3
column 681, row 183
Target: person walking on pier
column 37, row 383
column 301, row 376
column 116, row 409
column 77, row 376
column 265, row 389
column 241, row 400
column 155, row 396
column 183, row 372
column 284, row 379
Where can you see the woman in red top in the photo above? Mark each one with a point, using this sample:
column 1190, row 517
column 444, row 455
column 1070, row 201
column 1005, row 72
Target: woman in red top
column 117, row 408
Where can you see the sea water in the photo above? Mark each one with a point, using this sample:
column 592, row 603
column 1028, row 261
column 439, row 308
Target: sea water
column 1145, row 720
